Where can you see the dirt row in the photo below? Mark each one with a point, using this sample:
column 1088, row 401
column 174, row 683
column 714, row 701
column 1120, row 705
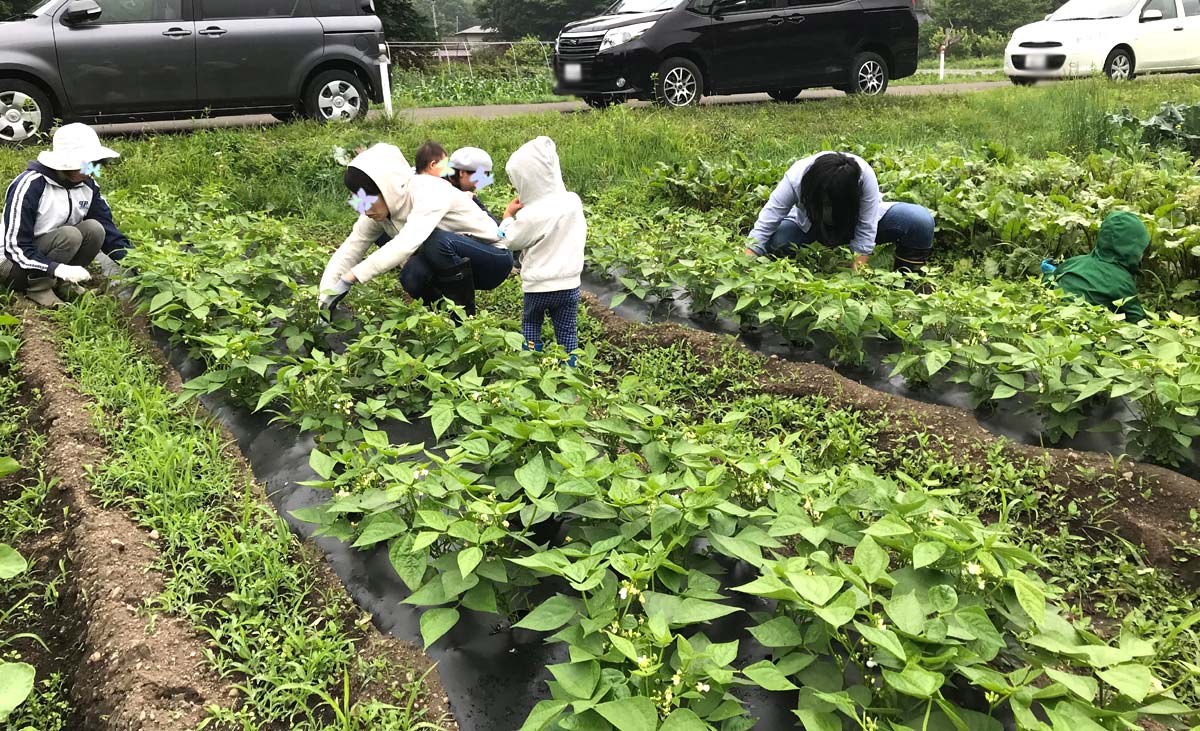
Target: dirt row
column 1148, row 505
column 136, row 674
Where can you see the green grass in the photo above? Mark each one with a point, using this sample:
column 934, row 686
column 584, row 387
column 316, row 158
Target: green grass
column 231, row 565
column 981, row 62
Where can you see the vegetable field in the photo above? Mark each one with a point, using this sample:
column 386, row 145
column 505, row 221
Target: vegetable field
column 702, row 537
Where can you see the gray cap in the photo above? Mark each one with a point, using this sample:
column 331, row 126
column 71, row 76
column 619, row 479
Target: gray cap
column 471, row 159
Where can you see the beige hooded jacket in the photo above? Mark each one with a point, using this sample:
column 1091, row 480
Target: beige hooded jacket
column 550, row 228
column 417, row 204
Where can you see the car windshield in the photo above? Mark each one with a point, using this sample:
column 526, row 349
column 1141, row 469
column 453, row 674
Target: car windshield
column 636, row 7
column 1094, row 9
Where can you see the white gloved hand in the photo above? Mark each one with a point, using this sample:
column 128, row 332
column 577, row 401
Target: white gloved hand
column 73, row 274
column 334, row 295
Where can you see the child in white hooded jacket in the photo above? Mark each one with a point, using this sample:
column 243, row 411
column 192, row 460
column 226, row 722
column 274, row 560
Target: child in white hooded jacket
column 546, row 222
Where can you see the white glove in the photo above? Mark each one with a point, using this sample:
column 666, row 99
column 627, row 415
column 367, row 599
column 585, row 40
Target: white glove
column 73, row 274
column 334, row 295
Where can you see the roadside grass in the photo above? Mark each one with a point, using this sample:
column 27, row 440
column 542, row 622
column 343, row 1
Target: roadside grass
column 261, row 167
column 980, row 62
column 232, row 567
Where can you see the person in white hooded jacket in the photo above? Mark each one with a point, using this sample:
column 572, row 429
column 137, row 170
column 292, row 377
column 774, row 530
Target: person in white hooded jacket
column 444, row 243
column 547, row 224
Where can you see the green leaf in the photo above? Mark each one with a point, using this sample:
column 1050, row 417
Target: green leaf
column 549, row 615
column 8, row 466
column 935, row 360
column 543, row 714
column 681, row 611
column 816, row 589
column 767, row 676
column 819, row 720
column 927, row 554
column 915, row 681
column 889, row 526
column 11, row 562
column 906, row 611
column 884, row 639
column 840, row 611
column 944, row 598
column 630, row 714
column 623, row 646
column 683, row 719
column 441, row 416
column 779, row 632
column 871, row 560
column 16, row 683
column 437, row 622
column 380, row 528
column 1084, row 686
column 533, row 476
column 321, row 463
column 468, row 559
column 578, row 679
column 1131, row 679
column 1031, row 598
column 1003, row 392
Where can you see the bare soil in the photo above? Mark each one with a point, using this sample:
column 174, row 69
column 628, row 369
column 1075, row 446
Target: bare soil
column 134, row 674
column 1148, row 505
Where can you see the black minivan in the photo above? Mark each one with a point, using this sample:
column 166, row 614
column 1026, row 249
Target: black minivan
column 677, row 51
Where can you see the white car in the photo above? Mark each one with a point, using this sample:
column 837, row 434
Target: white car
column 1119, row 38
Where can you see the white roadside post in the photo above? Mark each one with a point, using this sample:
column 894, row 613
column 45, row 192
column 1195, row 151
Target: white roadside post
column 385, row 61
column 942, row 62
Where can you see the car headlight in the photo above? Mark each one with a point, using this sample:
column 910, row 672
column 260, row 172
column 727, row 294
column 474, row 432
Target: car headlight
column 624, row 34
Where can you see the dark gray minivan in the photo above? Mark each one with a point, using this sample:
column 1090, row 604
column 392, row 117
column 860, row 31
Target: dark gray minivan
column 114, row 60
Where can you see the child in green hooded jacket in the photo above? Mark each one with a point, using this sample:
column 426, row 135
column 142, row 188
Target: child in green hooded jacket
column 1108, row 275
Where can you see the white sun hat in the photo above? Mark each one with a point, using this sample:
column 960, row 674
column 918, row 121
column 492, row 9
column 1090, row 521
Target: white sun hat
column 471, row 159
column 75, row 145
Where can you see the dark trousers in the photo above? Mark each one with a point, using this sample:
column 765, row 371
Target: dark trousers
column 443, row 251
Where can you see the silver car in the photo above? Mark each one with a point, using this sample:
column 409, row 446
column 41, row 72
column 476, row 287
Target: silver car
column 114, row 60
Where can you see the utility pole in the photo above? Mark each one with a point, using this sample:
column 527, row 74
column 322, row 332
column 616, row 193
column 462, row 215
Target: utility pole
column 433, row 6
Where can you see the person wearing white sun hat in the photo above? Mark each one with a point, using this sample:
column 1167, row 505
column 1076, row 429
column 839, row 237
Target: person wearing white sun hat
column 55, row 221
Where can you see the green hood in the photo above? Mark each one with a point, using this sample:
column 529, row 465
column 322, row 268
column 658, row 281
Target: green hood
column 1123, row 241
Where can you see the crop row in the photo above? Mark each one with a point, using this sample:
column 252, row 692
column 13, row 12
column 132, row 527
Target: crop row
column 1005, row 211
column 881, row 602
column 1006, row 338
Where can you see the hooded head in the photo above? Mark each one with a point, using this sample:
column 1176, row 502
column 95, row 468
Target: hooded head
column 386, row 167
column 1123, row 240
column 534, row 170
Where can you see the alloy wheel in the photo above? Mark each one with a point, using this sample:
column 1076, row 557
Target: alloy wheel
column 871, row 77
column 679, row 87
column 339, row 101
column 1120, row 69
column 20, row 117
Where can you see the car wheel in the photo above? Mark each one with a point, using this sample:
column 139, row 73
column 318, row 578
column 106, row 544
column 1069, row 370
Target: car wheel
column 336, row 96
column 1022, row 81
column 1119, row 66
column 784, row 95
column 678, row 83
column 868, row 75
column 25, row 111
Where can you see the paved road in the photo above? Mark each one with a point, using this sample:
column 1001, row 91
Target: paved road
column 495, row 111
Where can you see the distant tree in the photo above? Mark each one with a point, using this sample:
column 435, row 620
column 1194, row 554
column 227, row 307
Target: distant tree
column 539, row 18
column 452, row 15
column 983, row 16
column 403, row 22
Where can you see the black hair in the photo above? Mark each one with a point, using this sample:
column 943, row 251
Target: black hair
column 427, row 154
column 830, row 194
column 357, row 180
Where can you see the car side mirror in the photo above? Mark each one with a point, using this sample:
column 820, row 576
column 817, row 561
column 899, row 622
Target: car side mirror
column 81, row 11
column 1152, row 15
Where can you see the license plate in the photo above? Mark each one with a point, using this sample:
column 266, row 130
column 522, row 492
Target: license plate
column 1035, row 61
column 572, row 72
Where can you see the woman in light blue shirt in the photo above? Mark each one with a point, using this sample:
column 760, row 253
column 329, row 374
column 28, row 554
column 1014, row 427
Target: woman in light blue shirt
column 833, row 198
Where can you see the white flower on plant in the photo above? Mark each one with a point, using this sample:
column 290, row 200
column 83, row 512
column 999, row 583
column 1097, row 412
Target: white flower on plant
column 504, row 523
column 421, row 474
column 872, row 664
column 982, row 584
column 974, row 569
column 624, row 593
column 702, row 687
column 767, row 486
column 643, row 662
column 676, row 679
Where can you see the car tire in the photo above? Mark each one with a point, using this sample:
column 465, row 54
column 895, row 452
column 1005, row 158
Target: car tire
column 678, row 83
column 26, row 112
column 1022, row 81
column 868, row 75
column 785, row 95
column 336, row 96
column 1119, row 66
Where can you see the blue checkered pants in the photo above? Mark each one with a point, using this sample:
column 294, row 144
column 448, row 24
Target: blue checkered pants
column 563, row 308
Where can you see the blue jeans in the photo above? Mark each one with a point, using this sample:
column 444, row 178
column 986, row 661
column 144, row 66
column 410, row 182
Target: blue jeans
column 443, row 251
column 909, row 226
